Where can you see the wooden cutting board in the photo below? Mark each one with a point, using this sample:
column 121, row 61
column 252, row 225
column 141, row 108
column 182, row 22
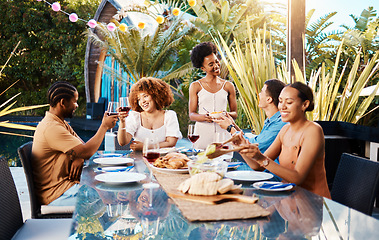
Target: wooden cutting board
column 215, row 199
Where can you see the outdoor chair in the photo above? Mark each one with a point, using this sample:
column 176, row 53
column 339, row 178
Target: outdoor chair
column 356, row 183
column 11, row 221
column 38, row 210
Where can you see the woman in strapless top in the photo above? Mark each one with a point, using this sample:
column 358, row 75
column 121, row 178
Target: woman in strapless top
column 300, row 144
column 209, row 94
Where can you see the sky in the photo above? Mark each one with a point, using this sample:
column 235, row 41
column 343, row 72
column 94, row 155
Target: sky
column 343, row 8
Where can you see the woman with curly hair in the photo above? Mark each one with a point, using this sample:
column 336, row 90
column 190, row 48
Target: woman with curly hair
column 147, row 99
column 209, row 94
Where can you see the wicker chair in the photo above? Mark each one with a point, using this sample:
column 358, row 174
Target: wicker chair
column 356, row 183
column 11, row 223
column 38, row 210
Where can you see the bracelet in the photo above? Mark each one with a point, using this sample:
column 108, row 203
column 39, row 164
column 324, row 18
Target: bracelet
column 264, row 163
column 229, row 128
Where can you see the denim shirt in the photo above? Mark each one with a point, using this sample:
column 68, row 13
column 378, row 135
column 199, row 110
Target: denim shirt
column 269, row 132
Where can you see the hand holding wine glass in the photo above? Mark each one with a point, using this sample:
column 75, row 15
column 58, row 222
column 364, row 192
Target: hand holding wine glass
column 124, row 108
column 112, row 110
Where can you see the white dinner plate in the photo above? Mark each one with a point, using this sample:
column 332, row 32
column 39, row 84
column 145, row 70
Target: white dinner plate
column 259, row 184
column 120, row 177
column 113, row 160
column 250, row 176
column 168, row 170
column 163, row 151
column 118, row 188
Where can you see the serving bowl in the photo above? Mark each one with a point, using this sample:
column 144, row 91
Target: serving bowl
column 220, row 167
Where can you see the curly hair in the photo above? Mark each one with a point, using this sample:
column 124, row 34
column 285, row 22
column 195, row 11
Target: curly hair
column 200, row 51
column 159, row 91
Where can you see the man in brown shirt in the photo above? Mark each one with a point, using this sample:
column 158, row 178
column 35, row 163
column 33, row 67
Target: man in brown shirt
column 58, row 152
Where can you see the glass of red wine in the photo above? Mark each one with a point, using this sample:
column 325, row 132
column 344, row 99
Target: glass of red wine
column 124, row 104
column 112, row 110
column 192, row 136
column 150, row 152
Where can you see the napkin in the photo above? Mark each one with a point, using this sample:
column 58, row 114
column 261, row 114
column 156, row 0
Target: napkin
column 275, row 185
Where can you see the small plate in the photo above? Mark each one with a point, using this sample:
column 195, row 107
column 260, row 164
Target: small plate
column 168, row 170
column 258, row 185
column 113, row 160
column 117, row 178
column 249, row 176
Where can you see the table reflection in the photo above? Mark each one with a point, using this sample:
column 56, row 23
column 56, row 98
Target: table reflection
column 130, row 211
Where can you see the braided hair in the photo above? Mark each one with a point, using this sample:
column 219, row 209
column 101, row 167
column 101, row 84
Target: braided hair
column 60, row 90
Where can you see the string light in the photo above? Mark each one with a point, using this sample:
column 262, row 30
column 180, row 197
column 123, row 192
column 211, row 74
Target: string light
column 73, row 17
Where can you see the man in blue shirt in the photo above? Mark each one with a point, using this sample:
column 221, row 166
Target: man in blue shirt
column 268, row 101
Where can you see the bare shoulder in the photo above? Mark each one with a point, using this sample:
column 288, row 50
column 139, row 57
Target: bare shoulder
column 228, row 85
column 313, row 129
column 195, row 86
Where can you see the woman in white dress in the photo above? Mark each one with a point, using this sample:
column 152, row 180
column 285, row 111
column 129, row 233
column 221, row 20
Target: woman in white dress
column 147, row 119
column 209, row 94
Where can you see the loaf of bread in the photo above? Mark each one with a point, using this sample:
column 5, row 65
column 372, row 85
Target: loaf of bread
column 207, row 183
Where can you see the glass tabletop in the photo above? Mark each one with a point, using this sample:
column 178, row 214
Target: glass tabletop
column 129, row 211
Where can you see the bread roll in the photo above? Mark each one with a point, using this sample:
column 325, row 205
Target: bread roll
column 225, row 185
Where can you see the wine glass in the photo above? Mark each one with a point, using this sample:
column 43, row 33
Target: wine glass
column 150, row 152
column 112, row 110
column 221, row 137
column 124, row 104
column 192, row 136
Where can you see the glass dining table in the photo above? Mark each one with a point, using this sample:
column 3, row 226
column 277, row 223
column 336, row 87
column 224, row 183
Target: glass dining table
column 130, row 211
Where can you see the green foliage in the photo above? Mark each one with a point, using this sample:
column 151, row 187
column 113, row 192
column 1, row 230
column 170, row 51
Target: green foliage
column 143, row 55
column 52, row 48
column 228, row 18
column 250, row 67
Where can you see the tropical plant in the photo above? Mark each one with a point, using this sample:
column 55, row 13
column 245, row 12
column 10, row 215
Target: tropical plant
column 348, row 106
column 143, row 55
column 6, row 107
column 229, row 18
column 249, row 68
column 364, row 36
column 319, row 46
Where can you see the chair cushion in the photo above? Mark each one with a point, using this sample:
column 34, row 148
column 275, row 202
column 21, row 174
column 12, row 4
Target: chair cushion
column 44, row 229
column 46, row 209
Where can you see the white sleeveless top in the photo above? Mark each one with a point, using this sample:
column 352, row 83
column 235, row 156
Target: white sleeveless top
column 213, row 102
column 170, row 127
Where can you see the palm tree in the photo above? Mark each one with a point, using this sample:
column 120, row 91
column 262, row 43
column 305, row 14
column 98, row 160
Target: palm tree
column 363, row 36
column 140, row 56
